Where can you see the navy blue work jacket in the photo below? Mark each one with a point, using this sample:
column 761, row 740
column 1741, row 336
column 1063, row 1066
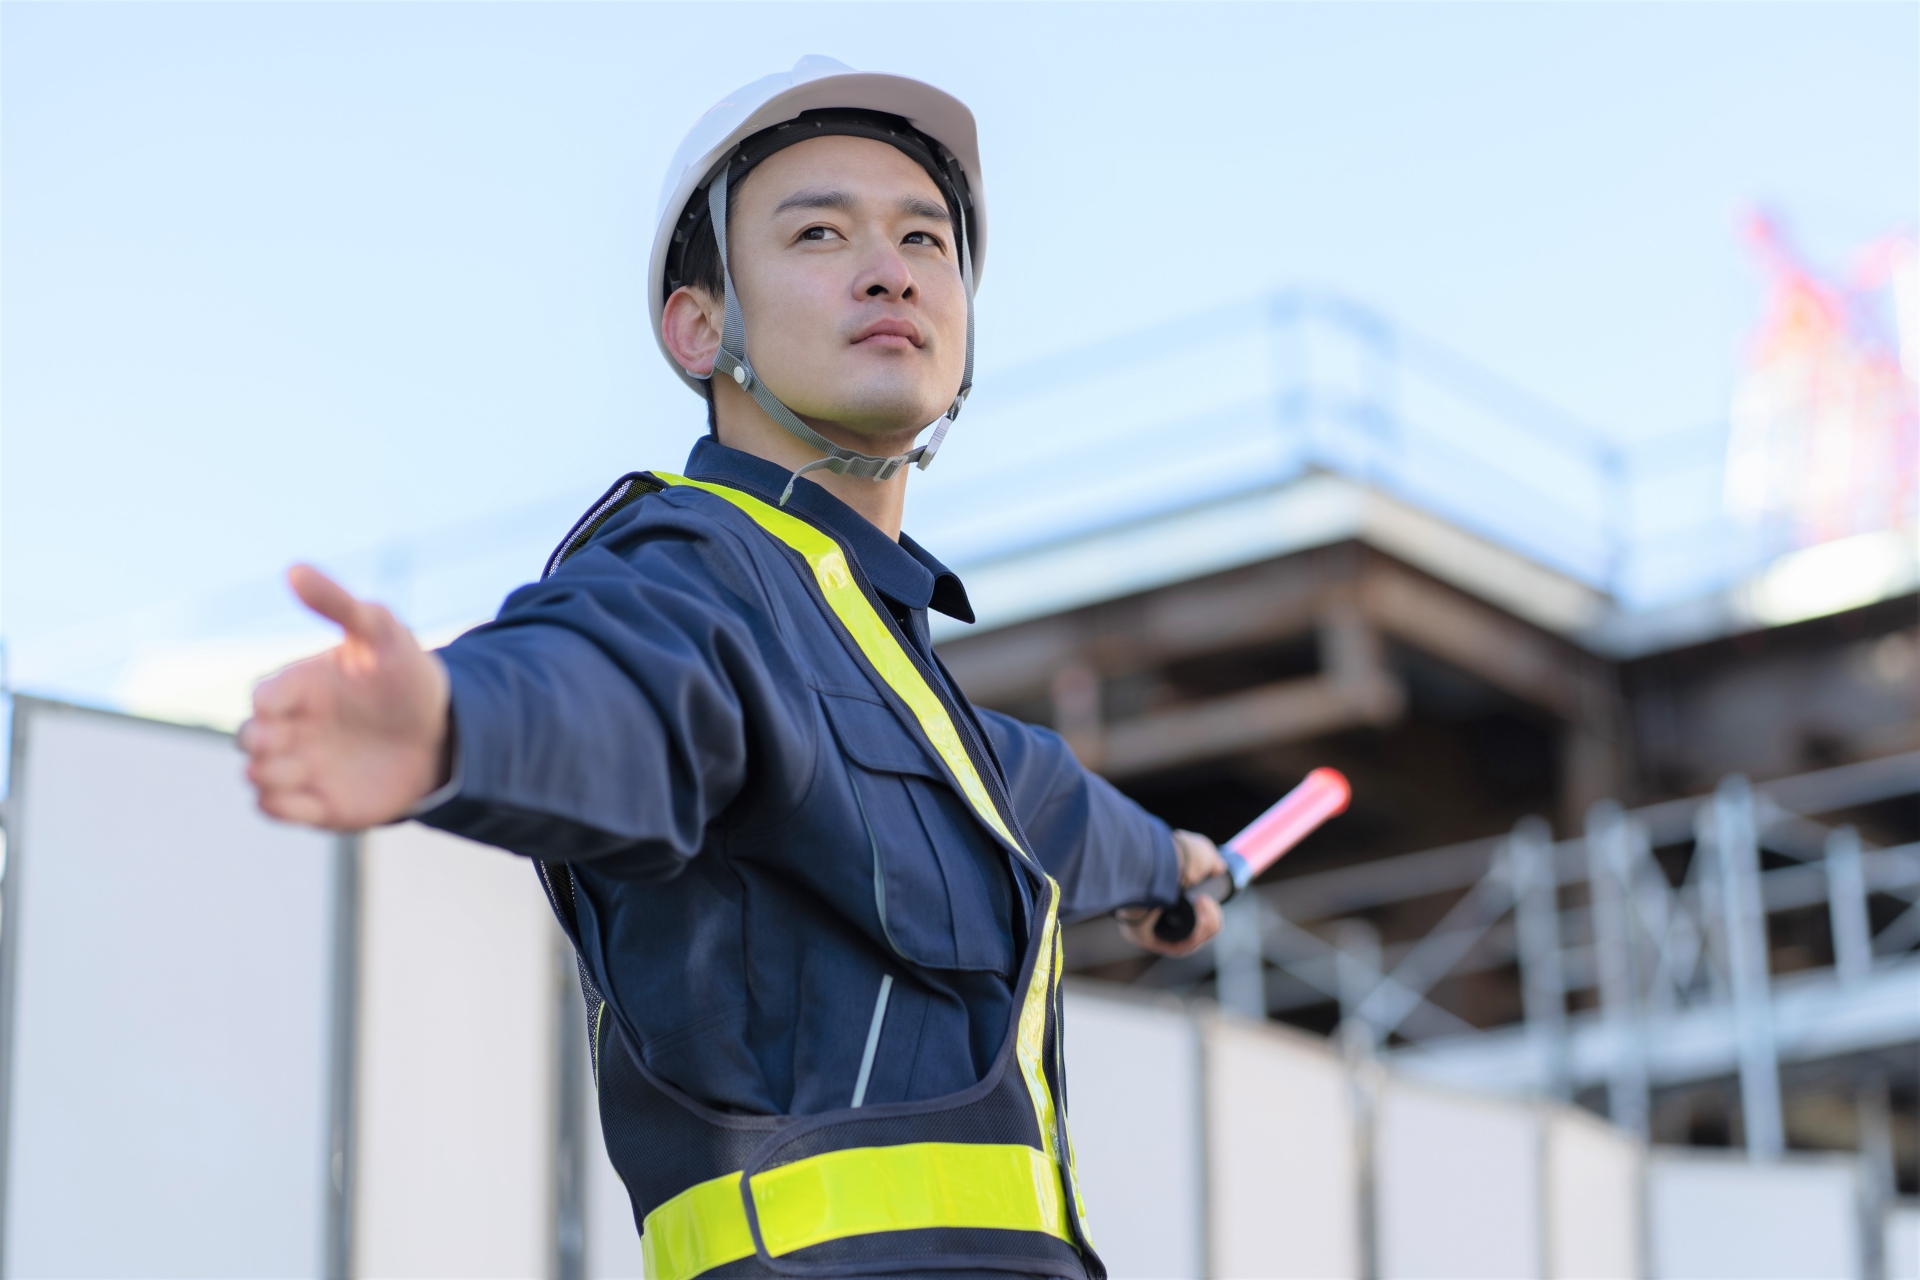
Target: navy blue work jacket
column 756, row 838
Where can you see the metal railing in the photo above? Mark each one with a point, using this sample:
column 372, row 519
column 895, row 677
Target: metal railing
column 1252, row 394
column 1243, row 397
column 1665, row 921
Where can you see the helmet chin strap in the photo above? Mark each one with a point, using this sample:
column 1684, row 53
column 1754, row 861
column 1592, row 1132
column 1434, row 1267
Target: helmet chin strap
column 731, row 361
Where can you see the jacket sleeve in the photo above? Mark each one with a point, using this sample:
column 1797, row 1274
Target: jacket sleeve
column 1105, row 850
column 609, row 711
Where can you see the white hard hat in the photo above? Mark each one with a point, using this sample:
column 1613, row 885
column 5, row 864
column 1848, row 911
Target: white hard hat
column 702, row 160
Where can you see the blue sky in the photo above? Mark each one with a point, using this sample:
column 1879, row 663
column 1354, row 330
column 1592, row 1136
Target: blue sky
column 284, row 281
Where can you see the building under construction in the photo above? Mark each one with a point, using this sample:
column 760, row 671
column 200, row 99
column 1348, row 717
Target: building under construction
column 1636, row 817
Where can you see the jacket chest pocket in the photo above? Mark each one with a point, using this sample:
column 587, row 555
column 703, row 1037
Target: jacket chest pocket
column 940, row 883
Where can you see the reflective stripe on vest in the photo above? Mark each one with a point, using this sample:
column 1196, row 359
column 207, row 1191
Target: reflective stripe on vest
column 875, row 639
column 858, row 1191
column 863, row 1190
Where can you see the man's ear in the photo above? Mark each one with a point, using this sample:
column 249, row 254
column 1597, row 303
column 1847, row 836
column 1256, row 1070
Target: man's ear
column 691, row 326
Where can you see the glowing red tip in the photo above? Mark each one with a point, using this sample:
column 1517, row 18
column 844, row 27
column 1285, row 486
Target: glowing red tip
column 1320, row 795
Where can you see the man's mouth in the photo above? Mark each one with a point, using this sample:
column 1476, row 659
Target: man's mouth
column 888, row 333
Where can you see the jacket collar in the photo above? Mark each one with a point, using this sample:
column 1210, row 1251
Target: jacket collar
column 903, row 571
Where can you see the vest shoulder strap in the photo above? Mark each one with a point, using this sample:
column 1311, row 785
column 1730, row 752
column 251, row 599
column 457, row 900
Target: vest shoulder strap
column 626, row 491
column 876, row 642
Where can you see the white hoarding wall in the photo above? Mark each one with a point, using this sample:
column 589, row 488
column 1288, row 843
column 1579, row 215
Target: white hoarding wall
column 456, row 1105
column 1714, row 1215
column 1283, row 1160
column 169, row 1044
column 1457, row 1185
column 1462, row 1185
column 1902, row 1242
column 1593, row 1197
column 1133, row 1096
column 612, row 1238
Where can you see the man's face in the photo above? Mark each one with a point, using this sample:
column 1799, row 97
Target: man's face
column 849, row 279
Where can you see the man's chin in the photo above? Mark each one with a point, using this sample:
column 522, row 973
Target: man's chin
column 880, row 424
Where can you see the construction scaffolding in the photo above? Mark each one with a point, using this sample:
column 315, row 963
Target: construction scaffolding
column 1648, row 957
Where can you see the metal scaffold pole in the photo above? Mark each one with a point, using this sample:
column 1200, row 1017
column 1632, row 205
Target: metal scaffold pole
column 1874, row 1115
column 1537, row 924
column 1358, row 974
column 1609, row 849
column 1736, row 850
column 1359, row 967
column 1847, row 906
column 1239, row 966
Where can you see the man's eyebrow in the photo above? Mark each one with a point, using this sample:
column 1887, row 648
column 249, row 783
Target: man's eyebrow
column 816, row 199
column 921, row 207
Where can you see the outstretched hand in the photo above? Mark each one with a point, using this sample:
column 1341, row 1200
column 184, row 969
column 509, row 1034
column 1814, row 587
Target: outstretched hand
column 355, row 736
column 1200, row 861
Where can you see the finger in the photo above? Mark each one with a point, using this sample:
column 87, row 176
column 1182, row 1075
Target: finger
column 1200, row 858
column 273, row 698
column 279, row 771
column 304, row 807
column 334, row 602
column 265, row 735
column 286, row 693
column 274, row 739
column 1206, row 920
column 1206, row 923
column 1138, row 929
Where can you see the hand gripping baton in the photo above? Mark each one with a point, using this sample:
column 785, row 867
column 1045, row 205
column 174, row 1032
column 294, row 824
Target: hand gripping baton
column 1320, row 795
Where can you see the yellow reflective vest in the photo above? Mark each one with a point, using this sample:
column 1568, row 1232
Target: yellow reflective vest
column 981, row 1179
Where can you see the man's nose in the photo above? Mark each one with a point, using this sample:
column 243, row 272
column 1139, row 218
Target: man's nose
column 885, row 275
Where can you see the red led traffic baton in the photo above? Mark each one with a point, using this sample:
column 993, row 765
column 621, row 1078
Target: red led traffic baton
column 1320, row 795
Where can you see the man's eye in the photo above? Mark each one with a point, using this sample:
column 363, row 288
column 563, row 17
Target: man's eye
column 922, row 237
column 817, row 233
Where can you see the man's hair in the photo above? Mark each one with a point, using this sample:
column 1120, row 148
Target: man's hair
column 700, row 269
column 696, row 264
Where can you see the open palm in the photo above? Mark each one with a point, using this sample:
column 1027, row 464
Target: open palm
column 357, row 735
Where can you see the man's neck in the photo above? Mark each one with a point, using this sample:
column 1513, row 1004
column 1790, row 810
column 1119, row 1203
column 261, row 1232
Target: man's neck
column 742, row 424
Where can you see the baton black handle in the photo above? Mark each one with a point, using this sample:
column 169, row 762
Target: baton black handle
column 1176, row 922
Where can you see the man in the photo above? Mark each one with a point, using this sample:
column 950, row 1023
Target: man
column 815, row 894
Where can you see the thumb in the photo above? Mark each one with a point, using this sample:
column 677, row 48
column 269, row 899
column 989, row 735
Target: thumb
column 334, row 602
column 1200, row 858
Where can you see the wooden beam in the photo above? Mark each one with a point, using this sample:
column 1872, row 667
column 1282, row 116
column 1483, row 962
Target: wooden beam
column 1478, row 639
column 1354, row 688
column 1236, row 609
column 1351, row 594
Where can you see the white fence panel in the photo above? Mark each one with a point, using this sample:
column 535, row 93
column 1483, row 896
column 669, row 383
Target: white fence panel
column 1133, row 1089
column 1902, row 1242
column 613, row 1239
column 1593, row 1198
column 457, row 1105
column 1283, row 1176
column 1457, row 1184
column 172, row 956
column 1716, row 1216
column 156, row 920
